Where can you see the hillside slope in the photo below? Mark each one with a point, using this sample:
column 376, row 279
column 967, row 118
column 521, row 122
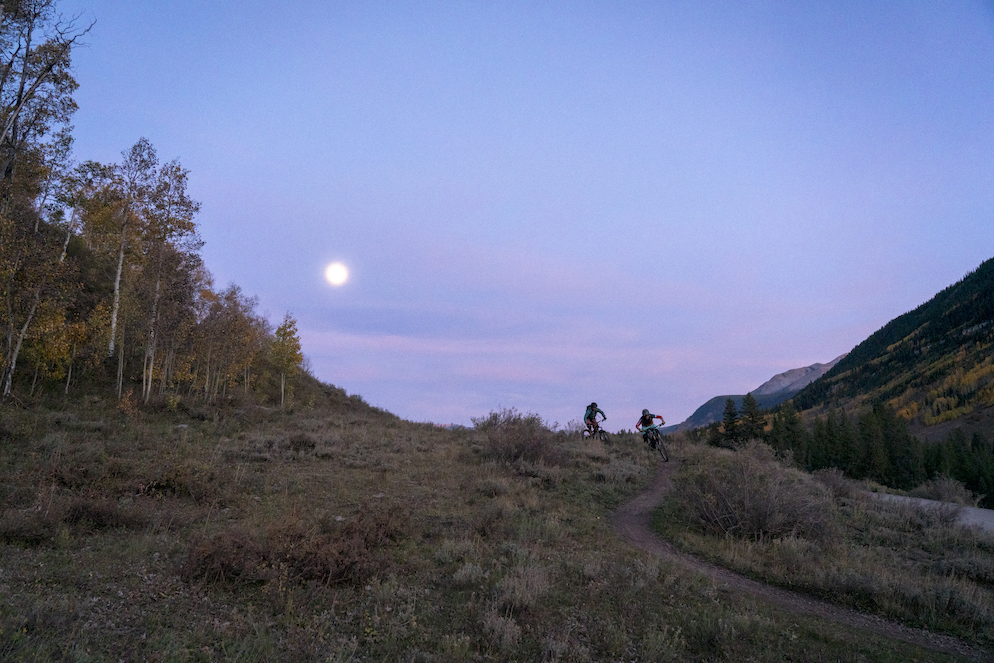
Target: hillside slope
column 337, row 531
column 933, row 364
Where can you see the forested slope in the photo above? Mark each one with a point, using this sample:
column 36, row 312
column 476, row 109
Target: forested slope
column 102, row 287
column 932, row 364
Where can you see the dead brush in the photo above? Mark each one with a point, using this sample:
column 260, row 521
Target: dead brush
column 503, row 632
column 618, row 471
column 301, row 443
column 836, row 481
column 944, row 489
column 30, row 527
column 203, row 482
column 298, row 550
column 749, row 494
column 39, row 524
column 513, row 436
column 523, row 586
column 104, row 514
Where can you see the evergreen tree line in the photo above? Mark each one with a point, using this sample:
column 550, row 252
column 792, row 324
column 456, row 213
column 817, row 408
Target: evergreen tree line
column 101, row 278
column 876, row 445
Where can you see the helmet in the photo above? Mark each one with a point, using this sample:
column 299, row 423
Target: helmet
column 645, row 412
column 593, row 405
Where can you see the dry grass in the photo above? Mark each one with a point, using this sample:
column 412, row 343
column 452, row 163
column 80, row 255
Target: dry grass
column 341, row 533
column 894, row 559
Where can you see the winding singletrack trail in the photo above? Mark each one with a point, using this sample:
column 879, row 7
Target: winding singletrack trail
column 632, row 523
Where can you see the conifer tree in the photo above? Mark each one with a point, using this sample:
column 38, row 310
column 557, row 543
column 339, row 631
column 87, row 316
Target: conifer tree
column 752, row 422
column 714, row 437
column 730, row 422
column 787, row 433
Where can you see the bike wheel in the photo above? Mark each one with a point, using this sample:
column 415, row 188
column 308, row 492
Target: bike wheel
column 656, row 443
column 662, row 450
column 605, row 438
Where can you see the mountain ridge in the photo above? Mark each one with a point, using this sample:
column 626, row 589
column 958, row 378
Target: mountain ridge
column 776, row 390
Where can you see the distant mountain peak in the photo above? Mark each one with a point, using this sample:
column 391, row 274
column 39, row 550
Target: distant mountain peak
column 772, row 392
column 795, row 379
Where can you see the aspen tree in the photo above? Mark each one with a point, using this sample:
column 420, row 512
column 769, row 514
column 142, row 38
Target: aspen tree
column 285, row 351
column 36, row 89
column 36, row 84
column 170, row 217
column 135, row 177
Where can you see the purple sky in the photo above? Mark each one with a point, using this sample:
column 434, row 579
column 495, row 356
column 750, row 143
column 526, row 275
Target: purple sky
column 541, row 204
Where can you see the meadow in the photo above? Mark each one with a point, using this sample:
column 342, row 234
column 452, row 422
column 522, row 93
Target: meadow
column 335, row 531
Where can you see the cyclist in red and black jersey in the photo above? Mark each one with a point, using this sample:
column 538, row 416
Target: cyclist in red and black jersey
column 645, row 424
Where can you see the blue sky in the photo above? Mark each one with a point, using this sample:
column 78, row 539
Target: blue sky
column 541, row 204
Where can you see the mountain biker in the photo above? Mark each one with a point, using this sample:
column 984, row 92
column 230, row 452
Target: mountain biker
column 645, row 424
column 590, row 416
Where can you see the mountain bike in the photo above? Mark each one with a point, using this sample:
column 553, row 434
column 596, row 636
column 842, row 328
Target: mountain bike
column 598, row 432
column 655, row 441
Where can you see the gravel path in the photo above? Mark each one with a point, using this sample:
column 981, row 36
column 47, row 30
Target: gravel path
column 631, row 522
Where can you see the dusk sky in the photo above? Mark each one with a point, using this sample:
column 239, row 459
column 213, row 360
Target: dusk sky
column 540, row 204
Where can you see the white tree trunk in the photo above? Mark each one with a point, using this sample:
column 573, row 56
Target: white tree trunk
column 17, row 348
column 117, row 285
column 150, row 350
column 72, row 358
column 120, row 371
column 8, row 378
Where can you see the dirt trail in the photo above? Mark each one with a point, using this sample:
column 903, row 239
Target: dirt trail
column 631, row 522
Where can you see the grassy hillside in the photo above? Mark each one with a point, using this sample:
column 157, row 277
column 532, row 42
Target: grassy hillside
column 933, row 364
column 339, row 532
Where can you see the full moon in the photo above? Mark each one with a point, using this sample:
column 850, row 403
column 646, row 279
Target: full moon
column 336, row 273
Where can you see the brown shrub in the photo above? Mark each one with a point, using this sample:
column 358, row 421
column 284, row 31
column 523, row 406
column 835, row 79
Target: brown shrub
column 233, row 555
column 349, row 552
column 198, row 480
column 39, row 525
column 512, row 436
column 491, row 520
column 31, row 527
column 101, row 514
column 299, row 442
column 837, row 482
column 750, row 494
column 944, row 489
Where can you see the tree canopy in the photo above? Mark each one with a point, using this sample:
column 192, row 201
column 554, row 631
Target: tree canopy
column 101, row 278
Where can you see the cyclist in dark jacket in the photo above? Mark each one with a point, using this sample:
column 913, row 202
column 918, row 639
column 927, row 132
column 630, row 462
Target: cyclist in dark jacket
column 590, row 416
column 645, row 424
